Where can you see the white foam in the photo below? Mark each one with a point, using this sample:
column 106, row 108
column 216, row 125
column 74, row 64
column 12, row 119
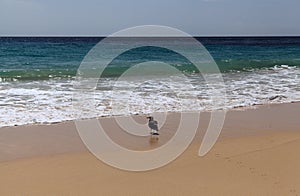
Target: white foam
column 51, row 100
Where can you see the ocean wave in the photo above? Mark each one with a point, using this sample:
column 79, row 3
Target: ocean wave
column 50, row 74
column 49, row 101
column 36, row 74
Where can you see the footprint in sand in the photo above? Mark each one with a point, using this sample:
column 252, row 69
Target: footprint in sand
column 217, row 155
column 293, row 191
column 240, row 164
column 264, row 175
column 228, row 159
column 252, row 170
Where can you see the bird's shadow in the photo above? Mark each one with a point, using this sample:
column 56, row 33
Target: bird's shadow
column 153, row 140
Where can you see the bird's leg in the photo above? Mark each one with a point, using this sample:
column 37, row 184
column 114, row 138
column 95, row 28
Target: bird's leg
column 151, row 132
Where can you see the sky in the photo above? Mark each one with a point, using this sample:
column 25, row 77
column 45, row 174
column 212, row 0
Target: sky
column 104, row 17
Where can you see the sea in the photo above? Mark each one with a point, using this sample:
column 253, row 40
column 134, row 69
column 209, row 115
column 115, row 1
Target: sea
column 38, row 76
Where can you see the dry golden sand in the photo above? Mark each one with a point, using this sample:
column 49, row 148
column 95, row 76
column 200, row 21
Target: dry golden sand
column 258, row 153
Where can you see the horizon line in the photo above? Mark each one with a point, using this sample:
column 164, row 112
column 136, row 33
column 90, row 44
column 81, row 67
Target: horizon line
column 262, row 35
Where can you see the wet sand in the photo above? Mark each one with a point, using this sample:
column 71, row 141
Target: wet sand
column 257, row 153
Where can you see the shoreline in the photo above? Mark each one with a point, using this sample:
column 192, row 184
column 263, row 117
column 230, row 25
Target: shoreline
column 235, row 108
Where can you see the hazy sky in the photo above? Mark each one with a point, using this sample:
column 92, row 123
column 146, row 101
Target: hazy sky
column 103, row 17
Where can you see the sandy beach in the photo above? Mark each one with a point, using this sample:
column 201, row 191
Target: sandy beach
column 257, row 154
column 157, row 98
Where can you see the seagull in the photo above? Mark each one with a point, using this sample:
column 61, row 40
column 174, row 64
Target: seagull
column 153, row 125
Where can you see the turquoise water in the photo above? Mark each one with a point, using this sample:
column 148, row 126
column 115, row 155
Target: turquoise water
column 47, row 58
column 37, row 78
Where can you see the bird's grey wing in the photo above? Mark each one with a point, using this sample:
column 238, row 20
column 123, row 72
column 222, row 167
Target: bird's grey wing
column 153, row 125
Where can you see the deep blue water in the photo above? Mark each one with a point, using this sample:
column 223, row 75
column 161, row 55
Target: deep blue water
column 35, row 58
